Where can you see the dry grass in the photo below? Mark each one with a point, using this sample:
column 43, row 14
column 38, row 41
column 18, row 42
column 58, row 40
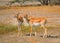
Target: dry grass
column 7, row 28
column 25, row 29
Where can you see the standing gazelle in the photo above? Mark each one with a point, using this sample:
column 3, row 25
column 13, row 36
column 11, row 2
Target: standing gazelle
column 36, row 21
column 20, row 21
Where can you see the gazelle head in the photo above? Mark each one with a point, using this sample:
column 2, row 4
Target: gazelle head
column 26, row 16
column 19, row 17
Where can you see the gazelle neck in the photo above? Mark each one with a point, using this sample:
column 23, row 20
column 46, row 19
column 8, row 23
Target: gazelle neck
column 25, row 21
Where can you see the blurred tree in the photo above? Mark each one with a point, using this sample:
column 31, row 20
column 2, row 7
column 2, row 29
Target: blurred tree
column 16, row 0
column 41, row 1
column 54, row 2
column 44, row 2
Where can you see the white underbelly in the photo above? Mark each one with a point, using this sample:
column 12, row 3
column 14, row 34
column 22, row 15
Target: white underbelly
column 36, row 24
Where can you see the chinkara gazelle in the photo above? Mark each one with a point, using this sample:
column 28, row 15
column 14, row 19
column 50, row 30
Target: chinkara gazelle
column 36, row 21
column 20, row 22
column 26, row 20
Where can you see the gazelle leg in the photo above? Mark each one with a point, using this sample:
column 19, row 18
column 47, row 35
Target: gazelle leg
column 30, row 30
column 45, row 34
column 35, row 33
column 19, row 29
column 45, row 31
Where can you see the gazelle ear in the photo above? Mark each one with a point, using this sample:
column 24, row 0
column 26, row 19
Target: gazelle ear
column 25, row 15
column 16, row 15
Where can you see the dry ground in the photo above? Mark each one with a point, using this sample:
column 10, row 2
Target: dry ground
column 52, row 13
column 12, row 38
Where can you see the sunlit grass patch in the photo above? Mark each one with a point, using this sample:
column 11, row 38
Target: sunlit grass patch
column 7, row 28
column 25, row 29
